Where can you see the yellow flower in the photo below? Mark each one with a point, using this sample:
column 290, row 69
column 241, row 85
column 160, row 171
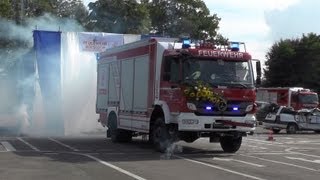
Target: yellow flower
column 207, row 93
column 203, row 94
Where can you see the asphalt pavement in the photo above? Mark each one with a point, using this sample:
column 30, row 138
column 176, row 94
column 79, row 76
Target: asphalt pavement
column 94, row 157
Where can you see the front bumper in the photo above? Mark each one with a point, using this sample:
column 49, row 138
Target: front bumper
column 191, row 122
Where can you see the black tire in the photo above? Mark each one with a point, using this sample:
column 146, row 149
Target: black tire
column 230, row 144
column 317, row 131
column 292, row 128
column 160, row 135
column 276, row 131
column 117, row 135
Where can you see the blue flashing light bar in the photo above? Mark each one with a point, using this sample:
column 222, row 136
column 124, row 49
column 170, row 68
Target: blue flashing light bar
column 235, row 46
column 209, row 108
column 235, row 108
column 186, row 43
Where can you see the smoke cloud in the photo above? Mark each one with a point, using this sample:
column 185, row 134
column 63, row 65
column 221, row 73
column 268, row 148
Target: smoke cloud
column 22, row 103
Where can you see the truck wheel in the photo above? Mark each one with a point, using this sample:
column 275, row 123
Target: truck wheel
column 117, row 135
column 160, row 135
column 230, row 144
column 276, row 131
column 292, row 128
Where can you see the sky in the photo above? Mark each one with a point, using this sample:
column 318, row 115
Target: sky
column 260, row 23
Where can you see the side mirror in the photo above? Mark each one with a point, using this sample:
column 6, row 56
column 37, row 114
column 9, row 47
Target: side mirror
column 258, row 70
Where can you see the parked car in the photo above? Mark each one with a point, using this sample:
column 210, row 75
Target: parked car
column 282, row 117
column 263, row 108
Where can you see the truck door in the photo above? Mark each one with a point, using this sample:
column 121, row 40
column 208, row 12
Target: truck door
column 295, row 101
column 170, row 89
column 102, row 87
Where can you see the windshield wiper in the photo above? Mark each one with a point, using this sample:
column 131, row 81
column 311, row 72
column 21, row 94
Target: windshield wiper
column 188, row 81
column 241, row 85
column 215, row 85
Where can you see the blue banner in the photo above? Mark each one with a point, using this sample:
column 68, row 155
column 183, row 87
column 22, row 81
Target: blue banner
column 47, row 45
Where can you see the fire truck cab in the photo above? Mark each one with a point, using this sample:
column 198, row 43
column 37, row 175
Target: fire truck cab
column 295, row 97
column 173, row 90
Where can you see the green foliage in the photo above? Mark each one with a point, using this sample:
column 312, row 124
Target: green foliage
column 6, row 10
column 19, row 10
column 118, row 16
column 73, row 9
column 168, row 18
column 182, row 16
column 16, row 13
column 294, row 62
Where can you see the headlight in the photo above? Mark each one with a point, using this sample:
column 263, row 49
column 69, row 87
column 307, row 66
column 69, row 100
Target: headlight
column 249, row 108
column 191, row 106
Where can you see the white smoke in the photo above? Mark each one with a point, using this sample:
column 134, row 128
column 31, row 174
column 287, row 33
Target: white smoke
column 79, row 81
column 11, row 30
column 78, row 101
column 171, row 149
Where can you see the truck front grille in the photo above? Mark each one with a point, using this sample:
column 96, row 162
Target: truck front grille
column 234, row 108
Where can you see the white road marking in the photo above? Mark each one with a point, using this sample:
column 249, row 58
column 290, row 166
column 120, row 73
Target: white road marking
column 244, row 162
column 220, row 168
column 51, row 153
column 258, row 147
column 287, row 138
column 62, row 144
column 113, row 166
column 8, row 146
column 270, row 153
column 28, row 144
column 279, row 162
column 305, row 160
column 265, row 142
column 310, row 155
column 304, row 142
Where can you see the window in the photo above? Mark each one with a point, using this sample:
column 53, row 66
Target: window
column 171, row 69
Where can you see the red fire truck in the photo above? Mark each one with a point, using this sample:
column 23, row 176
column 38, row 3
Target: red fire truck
column 174, row 90
column 295, row 97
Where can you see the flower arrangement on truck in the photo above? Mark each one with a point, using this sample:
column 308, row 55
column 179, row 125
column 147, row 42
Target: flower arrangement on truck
column 175, row 90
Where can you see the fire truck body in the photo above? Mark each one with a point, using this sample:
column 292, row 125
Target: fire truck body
column 295, row 97
column 142, row 88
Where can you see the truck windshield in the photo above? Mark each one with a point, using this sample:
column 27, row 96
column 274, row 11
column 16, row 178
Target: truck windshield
column 308, row 98
column 219, row 72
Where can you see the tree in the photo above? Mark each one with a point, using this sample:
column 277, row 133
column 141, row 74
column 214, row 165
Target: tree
column 175, row 17
column 19, row 10
column 161, row 17
column 294, row 62
column 6, row 10
column 73, row 9
column 14, row 14
column 118, row 16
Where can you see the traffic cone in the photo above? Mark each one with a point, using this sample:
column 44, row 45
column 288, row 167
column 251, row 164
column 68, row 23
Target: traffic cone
column 270, row 136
